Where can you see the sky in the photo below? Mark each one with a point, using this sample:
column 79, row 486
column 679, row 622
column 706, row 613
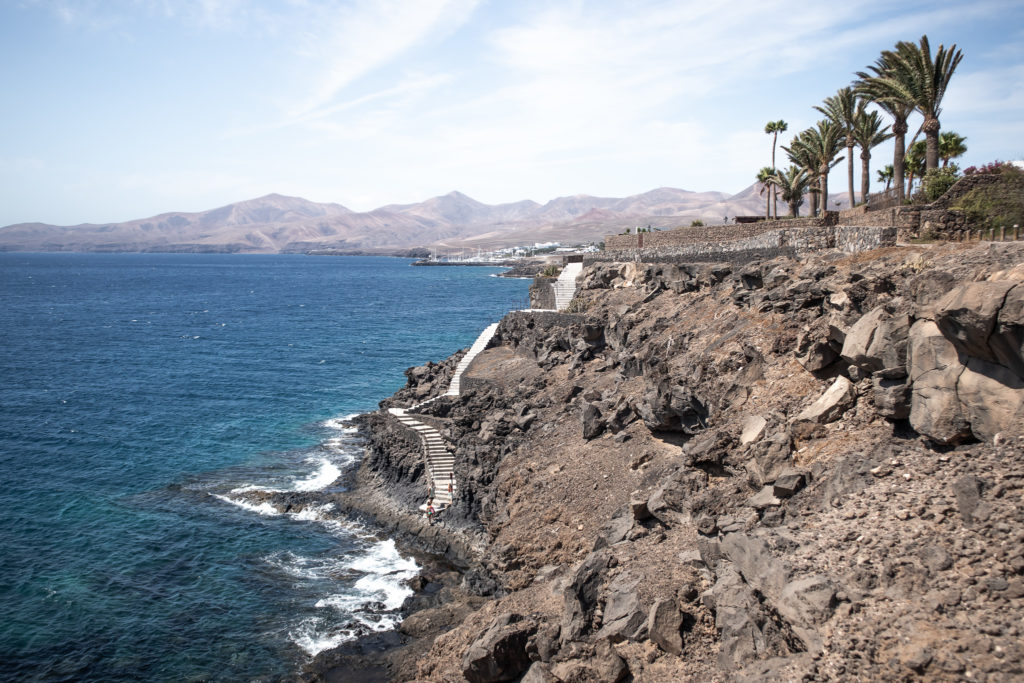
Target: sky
column 113, row 110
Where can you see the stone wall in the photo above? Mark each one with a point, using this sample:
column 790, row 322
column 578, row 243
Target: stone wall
column 856, row 229
column 542, row 292
column 853, row 238
column 789, row 241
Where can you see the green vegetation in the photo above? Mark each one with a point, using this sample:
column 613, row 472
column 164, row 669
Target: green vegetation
column 951, row 146
column 793, row 183
column 764, row 176
column 937, row 181
column 914, row 164
column 815, row 149
column 843, row 110
column 696, row 223
column 868, row 133
column 551, row 271
column 886, row 176
column 998, row 205
column 902, row 81
column 773, row 128
column 906, row 79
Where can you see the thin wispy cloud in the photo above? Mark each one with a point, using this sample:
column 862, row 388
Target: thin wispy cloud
column 371, row 102
column 355, row 39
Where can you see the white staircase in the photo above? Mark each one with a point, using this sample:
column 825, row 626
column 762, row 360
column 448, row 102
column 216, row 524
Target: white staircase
column 440, row 462
column 565, row 285
column 479, row 345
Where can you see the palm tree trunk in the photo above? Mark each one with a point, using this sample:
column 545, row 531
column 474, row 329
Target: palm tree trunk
column 931, row 141
column 775, row 199
column 814, row 198
column 865, row 174
column 899, row 130
column 768, row 201
column 849, row 172
column 823, row 179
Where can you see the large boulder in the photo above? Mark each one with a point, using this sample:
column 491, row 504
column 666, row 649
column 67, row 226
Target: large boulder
column 624, row 618
column 935, row 368
column 891, row 396
column 672, row 407
column 756, row 563
column 737, row 617
column 664, row 625
column 877, row 341
column 831, row 405
column 501, row 653
column 753, row 429
column 581, row 595
column 603, row 666
column 769, row 458
column 1007, row 340
column 992, row 398
column 671, row 499
column 592, row 422
column 967, row 316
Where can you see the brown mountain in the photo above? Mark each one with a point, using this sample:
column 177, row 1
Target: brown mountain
column 276, row 223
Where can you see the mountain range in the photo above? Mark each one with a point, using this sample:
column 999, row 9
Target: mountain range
column 280, row 224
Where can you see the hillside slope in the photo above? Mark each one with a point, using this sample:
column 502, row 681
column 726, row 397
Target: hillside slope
column 782, row 471
column 279, row 224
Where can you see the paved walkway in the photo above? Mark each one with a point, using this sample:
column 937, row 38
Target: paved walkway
column 565, row 285
column 440, row 462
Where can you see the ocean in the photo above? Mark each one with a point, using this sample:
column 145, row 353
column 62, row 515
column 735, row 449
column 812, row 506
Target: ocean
column 141, row 393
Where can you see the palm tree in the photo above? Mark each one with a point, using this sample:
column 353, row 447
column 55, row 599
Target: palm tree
column 882, row 87
column 801, row 156
column 820, row 145
column 764, row 176
column 773, row 128
column 842, row 109
column 886, row 176
column 915, row 163
column 793, row 183
column 868, row 133
column 951, row 146
column 923, row 81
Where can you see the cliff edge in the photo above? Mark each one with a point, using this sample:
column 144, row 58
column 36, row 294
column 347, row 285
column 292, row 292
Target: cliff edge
column 783, row 470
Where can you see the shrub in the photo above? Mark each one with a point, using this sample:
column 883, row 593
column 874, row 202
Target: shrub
column 991, row 167
column 937, row 181
column 1000, row 204
column 551, row 271
column 696, row 223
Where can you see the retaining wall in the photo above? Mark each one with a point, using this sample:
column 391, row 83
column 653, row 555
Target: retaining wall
column 790, row 241
column 542, row 293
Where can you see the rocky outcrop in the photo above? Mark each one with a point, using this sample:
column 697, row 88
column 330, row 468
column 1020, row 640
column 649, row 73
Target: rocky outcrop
column 781, row 471
column 501, row 653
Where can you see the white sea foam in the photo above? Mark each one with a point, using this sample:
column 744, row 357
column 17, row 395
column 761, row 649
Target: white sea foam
column 383, row 558
column 389, row 590
column 343, row 447
column 265, row 509
column 383, row 584
column 314, row 637
column 324, row 476
column 313, row 513
column 342, row 423
column 385, row 574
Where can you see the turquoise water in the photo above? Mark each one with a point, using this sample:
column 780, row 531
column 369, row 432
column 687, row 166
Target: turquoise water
column 140, row 391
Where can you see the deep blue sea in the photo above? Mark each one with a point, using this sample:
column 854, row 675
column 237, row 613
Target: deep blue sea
column 139, row 391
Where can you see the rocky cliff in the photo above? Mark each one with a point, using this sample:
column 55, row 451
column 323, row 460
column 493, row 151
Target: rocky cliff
column 779, row 471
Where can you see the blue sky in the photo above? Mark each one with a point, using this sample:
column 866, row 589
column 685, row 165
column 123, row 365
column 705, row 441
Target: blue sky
column 121, row 109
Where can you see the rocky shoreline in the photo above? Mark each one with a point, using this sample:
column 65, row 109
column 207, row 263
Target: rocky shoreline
column 793, row 470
